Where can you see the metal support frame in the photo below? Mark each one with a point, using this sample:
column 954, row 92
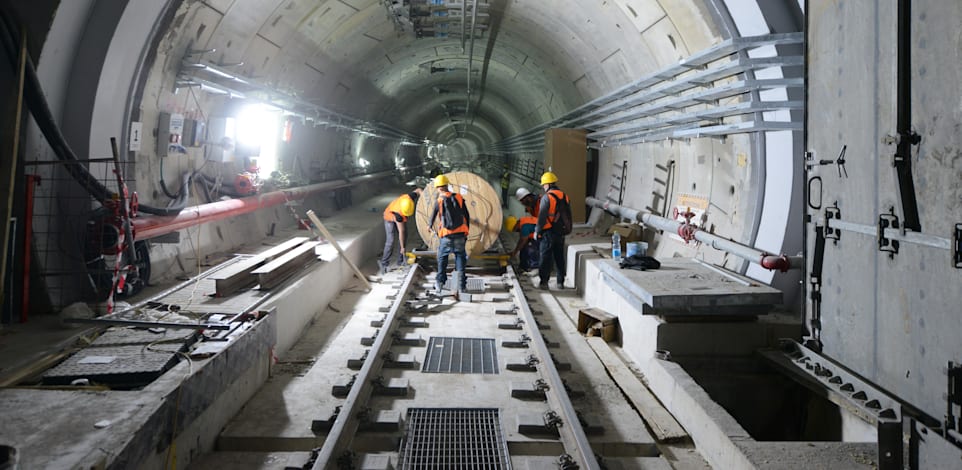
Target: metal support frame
column 221, row 81
column 886, row 244
column 815, row 290
column 957, row 246
column 849, row 391
column 892, row 233
column 953, row 398
column 907, row 138
column 670, row 90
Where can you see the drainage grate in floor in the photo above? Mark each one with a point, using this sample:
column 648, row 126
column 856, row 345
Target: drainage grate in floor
column 455, row 438
column 461, row 356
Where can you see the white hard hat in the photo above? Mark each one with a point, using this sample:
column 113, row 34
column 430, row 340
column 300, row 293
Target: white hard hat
column 521, row 193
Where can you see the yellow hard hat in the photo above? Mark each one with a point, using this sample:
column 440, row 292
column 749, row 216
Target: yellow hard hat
column 510, row 222
column 548, row 178
column 440, row 180
column 407, row 207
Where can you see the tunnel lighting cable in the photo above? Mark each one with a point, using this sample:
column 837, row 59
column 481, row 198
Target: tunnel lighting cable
column 467, row 98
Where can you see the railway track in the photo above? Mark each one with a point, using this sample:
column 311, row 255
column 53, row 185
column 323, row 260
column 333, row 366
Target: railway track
column 407, row 379
column 561, row 417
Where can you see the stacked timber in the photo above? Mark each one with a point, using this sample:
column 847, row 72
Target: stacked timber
column 276, row 271
column 248, row 272
column 484, row 205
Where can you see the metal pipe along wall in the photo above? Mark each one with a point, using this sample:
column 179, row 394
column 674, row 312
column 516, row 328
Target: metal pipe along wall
column 764, row 259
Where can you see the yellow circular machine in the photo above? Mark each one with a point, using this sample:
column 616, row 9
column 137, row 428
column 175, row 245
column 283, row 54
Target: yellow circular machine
column 482, row 201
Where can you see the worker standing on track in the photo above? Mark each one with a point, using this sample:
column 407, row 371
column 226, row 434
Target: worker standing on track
column 395, row 217
column 550, row 230
column 453, row 231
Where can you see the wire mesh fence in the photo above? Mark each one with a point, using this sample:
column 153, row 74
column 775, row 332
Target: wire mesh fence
column 71, row 232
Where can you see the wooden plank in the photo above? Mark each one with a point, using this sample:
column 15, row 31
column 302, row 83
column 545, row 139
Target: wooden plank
column 276, row 271
column 327, row 235
column 663, row 425
column 239, row 275
column 278, row 250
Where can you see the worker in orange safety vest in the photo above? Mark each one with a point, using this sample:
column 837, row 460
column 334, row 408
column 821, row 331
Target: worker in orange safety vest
column 453, row 231
column 395, row 218
column 554, row 204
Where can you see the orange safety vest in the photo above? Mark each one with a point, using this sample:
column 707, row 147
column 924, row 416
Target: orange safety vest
column 553, row 206
column 463, row 228
column 395, row 208
column 527, row 220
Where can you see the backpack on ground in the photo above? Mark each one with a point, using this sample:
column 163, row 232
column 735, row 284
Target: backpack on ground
column 452, row 216
column 562, row 215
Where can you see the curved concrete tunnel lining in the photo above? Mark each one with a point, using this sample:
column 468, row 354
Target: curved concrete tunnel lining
column 541, row 110
column 773, row 155
column 462, row 147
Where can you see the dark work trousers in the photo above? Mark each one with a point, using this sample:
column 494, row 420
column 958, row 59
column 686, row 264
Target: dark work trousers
column 552, row 253
column 390, row 234
column 452, row 244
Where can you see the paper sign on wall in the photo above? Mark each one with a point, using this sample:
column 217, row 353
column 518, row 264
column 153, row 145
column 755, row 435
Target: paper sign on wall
column 136, row 135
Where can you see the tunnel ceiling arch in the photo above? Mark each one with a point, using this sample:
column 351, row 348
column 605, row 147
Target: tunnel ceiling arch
column 534, row 60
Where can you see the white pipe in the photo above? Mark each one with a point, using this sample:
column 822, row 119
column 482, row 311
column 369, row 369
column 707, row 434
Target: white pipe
column 762, row 258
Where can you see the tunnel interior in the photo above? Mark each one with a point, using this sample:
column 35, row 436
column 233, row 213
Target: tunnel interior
column 735, row 118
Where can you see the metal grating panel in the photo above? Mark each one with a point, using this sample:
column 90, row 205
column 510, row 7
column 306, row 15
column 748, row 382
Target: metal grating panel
column 461, row 356
column 473, row 285
column 456, row 438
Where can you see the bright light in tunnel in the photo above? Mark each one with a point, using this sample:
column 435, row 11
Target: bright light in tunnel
column 258, row 126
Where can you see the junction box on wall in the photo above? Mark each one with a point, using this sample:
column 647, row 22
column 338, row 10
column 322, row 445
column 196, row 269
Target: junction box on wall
column 170, row 133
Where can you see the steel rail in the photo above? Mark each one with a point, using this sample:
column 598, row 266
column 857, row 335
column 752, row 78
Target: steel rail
column 570, row 430
column 346, row 424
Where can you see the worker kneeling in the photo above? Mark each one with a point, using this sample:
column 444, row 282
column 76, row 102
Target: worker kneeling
column 453, row 231
column 528, row 247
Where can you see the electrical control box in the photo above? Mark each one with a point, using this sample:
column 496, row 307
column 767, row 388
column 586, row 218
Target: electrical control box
column 220, row 141
column 170, row 134
column 194, row 132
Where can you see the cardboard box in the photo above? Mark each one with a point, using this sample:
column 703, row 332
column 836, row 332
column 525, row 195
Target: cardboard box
column 597, row 322
column 629, row 233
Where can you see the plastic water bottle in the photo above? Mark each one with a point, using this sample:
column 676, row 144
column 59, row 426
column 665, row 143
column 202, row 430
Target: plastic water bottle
column 616, row 246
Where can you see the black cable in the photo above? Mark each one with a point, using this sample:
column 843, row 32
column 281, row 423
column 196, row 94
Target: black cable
column 37, row 103
column 163, row 184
